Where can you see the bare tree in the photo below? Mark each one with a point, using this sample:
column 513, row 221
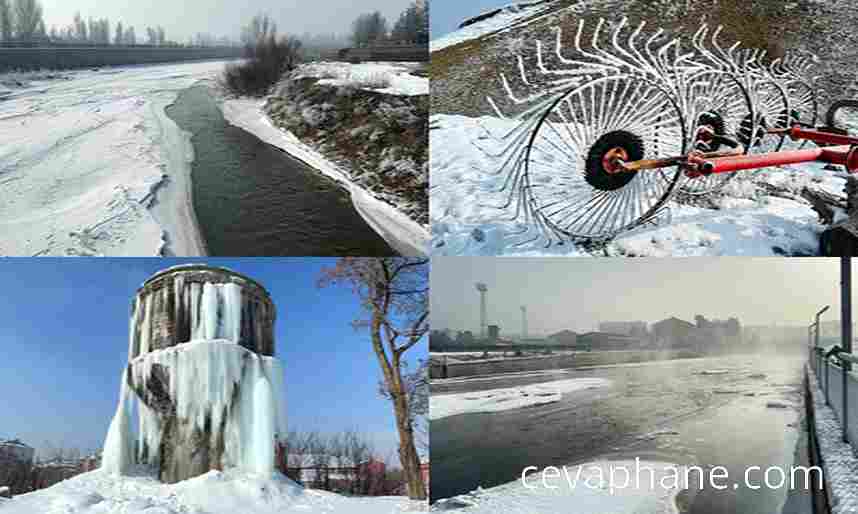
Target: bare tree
column 394, row 294
column 28, row 17
column 120, row 34
column 6, row 22
column 369, row 28
column 130, row 36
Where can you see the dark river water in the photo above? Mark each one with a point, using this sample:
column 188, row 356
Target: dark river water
column 733, row 412
column 253, row 199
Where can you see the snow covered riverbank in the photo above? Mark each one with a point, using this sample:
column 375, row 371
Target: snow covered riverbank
column 599, row 487
column 216, row 492
column 91, row 165
column 402, row 233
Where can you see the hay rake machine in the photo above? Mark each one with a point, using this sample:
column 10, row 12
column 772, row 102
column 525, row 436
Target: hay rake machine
column 611, row 131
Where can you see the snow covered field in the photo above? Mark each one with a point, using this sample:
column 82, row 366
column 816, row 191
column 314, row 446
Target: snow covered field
column 81, row 160
column 507, row 16
column 216, row 492
column 748, row 220
column 401, row 233
column 495, row 400
column 381, row 77
column 582, row 489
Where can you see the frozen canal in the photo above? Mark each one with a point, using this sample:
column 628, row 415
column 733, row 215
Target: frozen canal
column 733, row 412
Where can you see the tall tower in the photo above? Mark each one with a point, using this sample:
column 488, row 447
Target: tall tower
column 483, row 290
column 524, row 322
column 202, row 375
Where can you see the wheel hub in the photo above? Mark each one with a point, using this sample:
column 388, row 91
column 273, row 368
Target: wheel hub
column 602, row 170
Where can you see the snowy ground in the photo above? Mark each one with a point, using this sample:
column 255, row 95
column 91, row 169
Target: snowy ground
column 215, row 492
column 82, row 156
column 401, row 233
column 748, row 221
column 494, row 400
column 381, row 77
column 507, row 16
column 582, row 489
column 840, row 464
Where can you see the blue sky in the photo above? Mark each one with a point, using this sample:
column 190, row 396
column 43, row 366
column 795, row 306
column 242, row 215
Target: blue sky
column 446, row 15
column 64, row 336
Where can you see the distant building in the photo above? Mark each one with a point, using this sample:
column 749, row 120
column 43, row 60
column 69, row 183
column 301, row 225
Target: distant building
column 494, row 332
column 564, row 337
column 15, row 450
column 602, row 341
column 674, row 333
column 627, row 328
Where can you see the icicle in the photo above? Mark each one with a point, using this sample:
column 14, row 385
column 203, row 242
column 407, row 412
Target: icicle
column 118, row 452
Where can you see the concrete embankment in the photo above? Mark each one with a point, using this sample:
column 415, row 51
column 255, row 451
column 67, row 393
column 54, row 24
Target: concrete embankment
column 53, row 58
column 447, row 367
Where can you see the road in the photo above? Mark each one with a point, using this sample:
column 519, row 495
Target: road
column 733, row 412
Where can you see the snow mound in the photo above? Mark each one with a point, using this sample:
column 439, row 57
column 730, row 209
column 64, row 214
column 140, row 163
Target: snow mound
column 592, row 492
column 381, row 77
column 216, row 492
column 496, row 400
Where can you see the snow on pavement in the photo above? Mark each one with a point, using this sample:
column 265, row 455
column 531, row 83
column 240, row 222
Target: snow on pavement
column 583, row 489
column 495, row 400
column 380, row 77
column 465, row 219
column 403, row 234
column 82, row 159
column 216, row 492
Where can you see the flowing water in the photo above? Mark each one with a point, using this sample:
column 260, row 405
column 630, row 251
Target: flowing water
column 253, row 199
column 734, row 412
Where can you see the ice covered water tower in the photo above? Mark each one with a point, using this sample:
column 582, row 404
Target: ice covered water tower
column 201, row 377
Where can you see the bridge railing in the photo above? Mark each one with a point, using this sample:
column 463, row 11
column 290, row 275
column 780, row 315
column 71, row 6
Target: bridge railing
column 833, row 370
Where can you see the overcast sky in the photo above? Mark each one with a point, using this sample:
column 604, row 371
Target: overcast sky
column 579, row 293
column 184, row 18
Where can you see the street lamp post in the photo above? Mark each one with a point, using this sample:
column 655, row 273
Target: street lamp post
column 845, row 334
column 816, row 346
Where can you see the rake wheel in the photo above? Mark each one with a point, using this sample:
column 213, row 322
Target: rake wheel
column 570, row 183
column 716, row 100
column 804, row 104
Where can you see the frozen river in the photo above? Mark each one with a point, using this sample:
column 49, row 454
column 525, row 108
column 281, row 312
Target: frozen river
column 81, row 157
column 733, row 412
column 91, row 164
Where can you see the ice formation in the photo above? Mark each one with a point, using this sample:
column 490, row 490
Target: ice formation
column 211, row 382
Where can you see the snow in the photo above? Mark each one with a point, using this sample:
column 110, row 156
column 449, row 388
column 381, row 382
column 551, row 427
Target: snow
column 216, row 492
column 587, row 490
column 380, row 77
column 496, row 400
column 83, row 161
column 403, row 234
column 839, row 462
column 465, row 218
column 505, row 19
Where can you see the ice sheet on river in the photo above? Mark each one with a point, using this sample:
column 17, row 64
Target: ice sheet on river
column 494, row 400
column 82, row 157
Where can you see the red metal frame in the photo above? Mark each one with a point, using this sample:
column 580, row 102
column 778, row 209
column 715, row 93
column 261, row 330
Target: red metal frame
column 845, row 154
